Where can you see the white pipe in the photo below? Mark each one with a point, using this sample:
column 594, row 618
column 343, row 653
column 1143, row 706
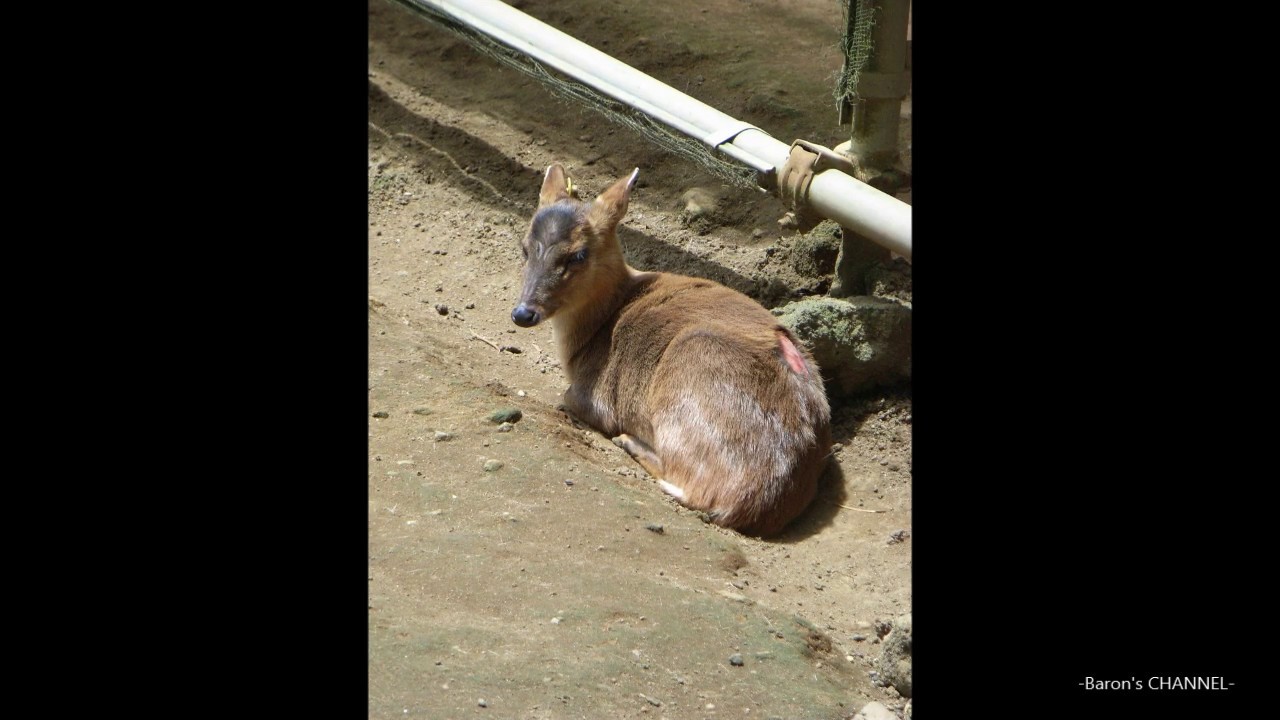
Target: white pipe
column 833, row 194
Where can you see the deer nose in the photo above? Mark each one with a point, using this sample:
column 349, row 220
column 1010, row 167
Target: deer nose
column 524, row 317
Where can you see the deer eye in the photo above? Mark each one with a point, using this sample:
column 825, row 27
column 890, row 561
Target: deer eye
column 578, row 257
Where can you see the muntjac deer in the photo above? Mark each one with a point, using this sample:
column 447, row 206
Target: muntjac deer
column 697, row 382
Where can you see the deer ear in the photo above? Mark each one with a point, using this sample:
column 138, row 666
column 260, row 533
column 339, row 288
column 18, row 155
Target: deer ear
column 555, row 186
column 608, row 209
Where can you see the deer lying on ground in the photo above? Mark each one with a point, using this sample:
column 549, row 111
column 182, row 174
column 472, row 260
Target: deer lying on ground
column 697, row 382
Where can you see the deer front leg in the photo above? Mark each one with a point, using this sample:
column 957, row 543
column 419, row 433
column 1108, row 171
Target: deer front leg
column 578, row 404
column 644, row 455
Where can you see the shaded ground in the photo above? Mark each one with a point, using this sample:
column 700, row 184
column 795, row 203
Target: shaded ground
column 539, row 587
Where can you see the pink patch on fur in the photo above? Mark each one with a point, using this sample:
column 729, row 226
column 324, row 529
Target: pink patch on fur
column 792, row 355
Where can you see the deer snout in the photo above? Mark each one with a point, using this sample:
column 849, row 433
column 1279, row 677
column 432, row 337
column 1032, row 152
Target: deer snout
column 524, row 316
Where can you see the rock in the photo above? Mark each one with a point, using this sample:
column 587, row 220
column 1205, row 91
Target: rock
column 505, row 427
column 891, row 281
column 441, row 436
column 735, row 659
column 442, row 308
column 699, row 202
column 482, row 703
column 422, row 411
column 380, row 414
column 859, row 342
column 654, row 528
column 875, row 711
column 491, row 465
column 814, row 254
column 895, row 660
column 506, row 415
column 906, row 711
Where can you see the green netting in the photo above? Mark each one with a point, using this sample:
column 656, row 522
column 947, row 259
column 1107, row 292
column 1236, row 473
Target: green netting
column 657, row 133
column 860, row 18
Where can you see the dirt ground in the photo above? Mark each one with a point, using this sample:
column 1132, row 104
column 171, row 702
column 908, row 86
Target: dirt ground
column 540, row 573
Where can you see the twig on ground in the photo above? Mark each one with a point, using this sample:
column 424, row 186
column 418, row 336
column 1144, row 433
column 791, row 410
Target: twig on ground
column 485, row 340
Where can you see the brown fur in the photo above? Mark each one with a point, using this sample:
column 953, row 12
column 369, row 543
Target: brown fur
column 692, row 378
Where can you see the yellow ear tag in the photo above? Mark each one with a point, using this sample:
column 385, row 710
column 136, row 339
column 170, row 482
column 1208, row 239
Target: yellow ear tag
column 569, row 187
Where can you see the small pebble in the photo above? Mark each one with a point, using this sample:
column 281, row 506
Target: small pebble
column 442, row 308
column 655, row 528
column 859, row 638
column 422, row 411
column 483, row 703
column 520, row 393
column 491, row 465
column 471, row 306
column 735, row 659
column 505, row 427
column 380, row 414
column 568, row 482
column 442, row 435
